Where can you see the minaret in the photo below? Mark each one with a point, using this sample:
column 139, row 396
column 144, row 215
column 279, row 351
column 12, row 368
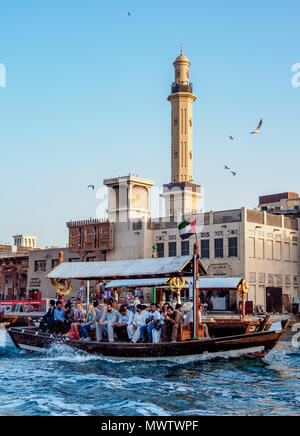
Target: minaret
column 182, row 99
column 182, row 196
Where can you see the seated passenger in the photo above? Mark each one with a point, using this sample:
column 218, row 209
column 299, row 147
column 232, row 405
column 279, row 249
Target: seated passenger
column 90, row 324
column 99, row 309
column 107, row 323
column 59, row 318
column 152, row 320
column 78, row 318
column 134, row 329
column 157, row 332
column 68, row 317
column 46, row 323
column 124, row 320
column 171, row 327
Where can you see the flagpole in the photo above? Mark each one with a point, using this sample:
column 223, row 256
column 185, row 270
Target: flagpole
column 196, row 281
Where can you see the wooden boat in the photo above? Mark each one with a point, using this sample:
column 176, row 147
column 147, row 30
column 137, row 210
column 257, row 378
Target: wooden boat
column 252, row 345
column 191, row 342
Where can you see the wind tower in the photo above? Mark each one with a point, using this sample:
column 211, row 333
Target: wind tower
column 182, row 195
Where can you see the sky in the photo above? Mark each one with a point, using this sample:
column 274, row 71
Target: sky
column 86, row 99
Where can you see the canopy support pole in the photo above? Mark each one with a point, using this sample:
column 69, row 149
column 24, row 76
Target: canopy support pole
column 88, row 292
column 196, row 290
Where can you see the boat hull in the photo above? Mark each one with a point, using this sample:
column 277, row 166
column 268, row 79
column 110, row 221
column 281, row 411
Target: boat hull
column 253, row 345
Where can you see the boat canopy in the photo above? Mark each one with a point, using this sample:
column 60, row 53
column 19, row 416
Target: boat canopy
column 127, row 269
column 206, row 283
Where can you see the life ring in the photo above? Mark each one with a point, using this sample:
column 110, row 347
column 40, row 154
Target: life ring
column 177, row 283
column 243, row 288
column 60, row 286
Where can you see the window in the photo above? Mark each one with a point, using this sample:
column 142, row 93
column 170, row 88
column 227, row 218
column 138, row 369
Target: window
column 172, row 249
column 161, row 250
column 252, row 248
column 232, row 247
column 54, row 262
column 219, row 252
column 269, row 250
column 205, row 249
column 260, row 249
column 40, row 265
column 185, row 248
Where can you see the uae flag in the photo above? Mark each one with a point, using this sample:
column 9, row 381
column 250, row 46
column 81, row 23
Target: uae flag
column 187, row 228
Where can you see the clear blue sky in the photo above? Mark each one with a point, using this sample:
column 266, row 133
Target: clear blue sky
column 86, row 99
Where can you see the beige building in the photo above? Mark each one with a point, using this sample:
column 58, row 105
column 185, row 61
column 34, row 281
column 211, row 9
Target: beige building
column 26, row 241
column 41, row 263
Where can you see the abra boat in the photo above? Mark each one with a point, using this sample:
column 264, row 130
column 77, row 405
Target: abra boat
column 191, row 342
column 256, row 345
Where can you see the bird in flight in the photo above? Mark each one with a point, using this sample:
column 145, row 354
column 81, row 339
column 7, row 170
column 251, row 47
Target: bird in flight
column 257, row 130
column 226, row 167
column 91, row 186
column 234, row 173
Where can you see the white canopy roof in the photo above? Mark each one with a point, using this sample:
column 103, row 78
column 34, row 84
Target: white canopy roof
column 141, row 268
column 205, row 283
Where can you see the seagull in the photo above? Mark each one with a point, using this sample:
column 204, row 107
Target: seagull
column 91, row 186
column 233, row 173
column 226, row 167
column 231, row 137
column 257, row 130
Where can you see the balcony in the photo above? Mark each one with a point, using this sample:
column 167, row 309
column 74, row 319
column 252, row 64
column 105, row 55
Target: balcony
column 181, row 88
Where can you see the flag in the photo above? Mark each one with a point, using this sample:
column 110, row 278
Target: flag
column 187, row 228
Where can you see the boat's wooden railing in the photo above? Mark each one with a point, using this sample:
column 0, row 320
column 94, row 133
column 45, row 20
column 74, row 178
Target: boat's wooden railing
column 186, row 331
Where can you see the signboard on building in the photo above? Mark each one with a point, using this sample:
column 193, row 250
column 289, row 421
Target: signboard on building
column 35, row 283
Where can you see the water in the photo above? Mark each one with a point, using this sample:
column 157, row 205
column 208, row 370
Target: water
column 62, row 381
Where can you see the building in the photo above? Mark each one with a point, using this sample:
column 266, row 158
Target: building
column 41, row 262
column 287, row 204
column 25, row 241
column 258, row 246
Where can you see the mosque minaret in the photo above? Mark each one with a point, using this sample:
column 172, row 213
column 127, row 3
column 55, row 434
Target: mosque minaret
column 182, row 99
column 182, row 195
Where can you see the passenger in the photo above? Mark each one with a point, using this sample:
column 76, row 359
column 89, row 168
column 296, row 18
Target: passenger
column 157, row 332
column 172, row 323
column 152, row 320
column 99, row 309
column 78, row 318
column 124, row 320
column 48, row 320
column 139, row 319
column 179, row 307
column 68, row 318
column 59, row 318
column 136, row 301
column 107, row 323
column 89, row 325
